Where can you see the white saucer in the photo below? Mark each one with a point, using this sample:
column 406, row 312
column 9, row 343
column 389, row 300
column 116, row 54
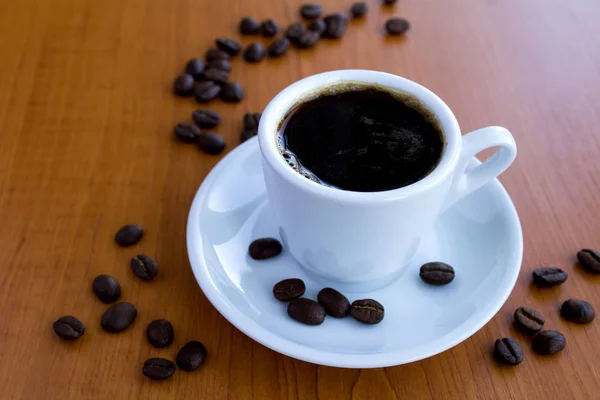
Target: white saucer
column 480, row 236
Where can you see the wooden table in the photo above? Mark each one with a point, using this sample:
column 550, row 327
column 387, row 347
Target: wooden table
column 86, row 145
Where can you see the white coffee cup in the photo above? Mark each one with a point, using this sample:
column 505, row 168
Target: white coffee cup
column 366, row 238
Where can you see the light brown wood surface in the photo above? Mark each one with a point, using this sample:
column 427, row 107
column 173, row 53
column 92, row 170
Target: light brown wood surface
column 86, row 145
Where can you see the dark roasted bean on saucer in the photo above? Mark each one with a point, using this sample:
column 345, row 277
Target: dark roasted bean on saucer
column 549, row 342
column 529, row 319
column 578, row 311
column 589, row 259
column 307, row 311
column 106, row 288
column 397, row 26
column 129, row 235
column 249, row 26
column 549, row 276
column 507, row 351
column 367, row 311
column 211, row 143
column 279, row 47
column 437, row 273
column 229, row 46
column 335, row 303
column 206, row 91
column 264, row 248
column 68, row 327
column 195, row 67
column 269, row 27
column 206, row 118
column 184, row 85
column 289, row 289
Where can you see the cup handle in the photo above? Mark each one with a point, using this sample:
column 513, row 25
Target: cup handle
column 468, row 178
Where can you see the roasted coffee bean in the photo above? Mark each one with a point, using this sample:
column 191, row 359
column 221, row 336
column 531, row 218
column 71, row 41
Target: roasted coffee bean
column 119, row 317
column 247, row 135
column 187, row 133
column 191, row 356
column 294, row 31
column 144, row 267
column 396, row 26
column 216, row 75
column 211, row 143
column 206, row 118
column 264, row 248
column 578, row 311
column 549, row 276
column 549, row 342
column 289, row 289
column 106, row 288
column 359, row 9
column 184, row 85
column 389, row 2
column 249, row 26
column 129, row 235
column 229, row 46
column 215, row 54
column 367, row 311
column 307, row 40
column 318, row 26
column 507, row 351
column 206, row 91
column 335, row 26
column 307, row 311
column 437, row 273
column 68, row 327
column 158, row 369
column 223, row 65
column 251, row 121
column 195, row 67
column 335, row 303
column 589, row 259
column 529, row 319
column 254, row 52
column 279, row 47
column 160, row 333
column 269, row 27
column 232, row 93
column 311, row 11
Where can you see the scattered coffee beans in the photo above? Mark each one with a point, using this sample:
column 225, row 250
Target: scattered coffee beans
column 119, row 317
column 294, row 31
column 195, row 67
column 160, row 333
column 307, row 40
column 396, row 26
column 437, row 273
column 549, row 342
column 279, row 47
column 549, row 276
column 206, row 91
column 187, row 133
column 68, row 327
column 318, row 26
column 129, row 235
column 184, row 85
column 359, row 9
column 307, row 311
column 289, row 289
column 589, row 259
column 144, row 267
column 191, row 356
column 311, row 11
column 249, row 26
column 211, row 143
column 334, row 303
column 206, row 118
column 529, row 319
column 578, row 311
column 106, row 288
column 367, row 311
column 215, row 54
column 216, row 75
column 269, row 27
column 247, row 135
column 223, row 65
column 335, row 26
column 264, row 248
column 251, row 121
column 507, row 351
column 229, row 46
column 254, row 52
column 232, row 93
column 158, row 369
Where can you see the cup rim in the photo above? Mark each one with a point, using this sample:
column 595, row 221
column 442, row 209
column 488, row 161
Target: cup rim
column 280, row 105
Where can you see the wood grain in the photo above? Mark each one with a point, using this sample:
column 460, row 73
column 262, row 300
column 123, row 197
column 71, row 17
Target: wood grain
column 86, row 117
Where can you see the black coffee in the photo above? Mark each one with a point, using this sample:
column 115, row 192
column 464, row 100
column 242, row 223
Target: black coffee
column 361, row 139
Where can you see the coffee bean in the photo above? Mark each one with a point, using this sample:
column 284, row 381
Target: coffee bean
column 249, row 26
column 158, row 369
column 191, row 356
column 223, row 65
column 507, row 351
column 359, row 9
column 106, row 288
column 529, row 319
column 187, row 133
column 589, row 259
column 68, row 327
column 335, row 26
column 254, row 53
column 206, row 118
column 389, row 2
column 307, row 311
column 195, row 67
column 144, row 267
column 311, row 11
column 396, row 26
column 215, row 54
column 211, row 143
column 251, row 121
column 232, row 93
column 549, row 342
column 119, row 317
column 269, row 27
column 549, row 276
column 289, row 289
column 307, row 40
column 367, row 311
column 437, row 273
column 184, row 85
column 129, row 235
column 160, row 333
column 229, row 46
column 318, row 26
column 264, row 248
column 206, row 91
column 279, row 47
column 247, row 135
column 578, row 311
column 294, row 31
column 335, row 303
column 216, row 75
